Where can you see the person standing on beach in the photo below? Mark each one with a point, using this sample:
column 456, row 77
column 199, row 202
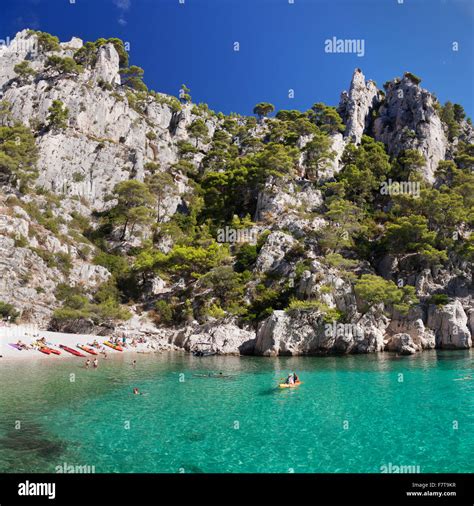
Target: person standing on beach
column 87, row 364
column 96, row 363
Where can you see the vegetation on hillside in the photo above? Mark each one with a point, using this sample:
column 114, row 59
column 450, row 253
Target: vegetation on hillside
column 226, row 168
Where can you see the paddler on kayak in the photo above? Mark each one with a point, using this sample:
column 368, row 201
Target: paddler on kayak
column 292, row 379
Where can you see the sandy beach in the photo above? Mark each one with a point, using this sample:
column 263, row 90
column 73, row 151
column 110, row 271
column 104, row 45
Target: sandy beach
column 29, row 335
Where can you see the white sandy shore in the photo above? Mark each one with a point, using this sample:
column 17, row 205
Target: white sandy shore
column 29, row 334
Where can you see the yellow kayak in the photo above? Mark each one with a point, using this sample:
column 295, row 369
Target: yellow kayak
column 113, row 346
column 288, row 385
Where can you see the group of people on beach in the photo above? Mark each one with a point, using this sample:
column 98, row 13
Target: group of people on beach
column 23, row 346
column 37, row 344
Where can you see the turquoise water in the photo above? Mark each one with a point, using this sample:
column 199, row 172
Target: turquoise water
column 351, row 414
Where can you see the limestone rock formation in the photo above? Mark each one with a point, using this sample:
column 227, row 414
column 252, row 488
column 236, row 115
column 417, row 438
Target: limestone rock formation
column 403, row 344
column 272, row 254
column 356, row 106
column 305, row 332
column 449, row 323
column 407, row 119
column 225, row 338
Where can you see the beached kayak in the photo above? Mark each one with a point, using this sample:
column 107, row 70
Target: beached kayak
column 44, row 350
column 86, row 348
column 51, row 350
column 290, row 385
column 13, row 345
column 72, row 351
column 115, row 347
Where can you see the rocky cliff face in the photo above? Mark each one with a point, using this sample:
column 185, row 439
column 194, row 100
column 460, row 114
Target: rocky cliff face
column 407, row 119
column 116, row 134
column 357, row 105
column 106, row 141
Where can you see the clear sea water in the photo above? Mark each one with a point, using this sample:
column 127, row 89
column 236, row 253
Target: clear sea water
column 351, row 414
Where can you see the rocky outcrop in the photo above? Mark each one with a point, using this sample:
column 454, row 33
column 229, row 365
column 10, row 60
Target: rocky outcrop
column 422, row 337
column 106, row 69
column 407, row 119
column 402, row 344
column 272, row 254
column 355, row 107
column 31, row 268
column 288, row 205
column 305, row 332
column 106, row 139
column 280, row 334
column 226, row 338
column 21, row 47
column 449, row 324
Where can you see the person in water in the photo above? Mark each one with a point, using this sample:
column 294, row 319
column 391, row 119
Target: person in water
column 96, row 363
column 87, row 364
column 136, row 391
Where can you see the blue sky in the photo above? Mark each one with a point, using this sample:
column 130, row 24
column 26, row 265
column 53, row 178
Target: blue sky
column 281, row 44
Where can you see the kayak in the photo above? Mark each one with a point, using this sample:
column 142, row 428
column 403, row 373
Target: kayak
column 86, row 348
column 19, row 348
column 51, row 350
column 45, row 351
column 72, row 351
column 288, row 385
column 115, row 347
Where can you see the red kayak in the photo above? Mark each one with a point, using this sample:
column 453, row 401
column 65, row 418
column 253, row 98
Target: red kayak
column 72, row 351
column 45, row 351
column 52, row 350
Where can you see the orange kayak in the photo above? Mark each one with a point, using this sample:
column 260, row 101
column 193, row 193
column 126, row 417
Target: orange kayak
column 86, row 348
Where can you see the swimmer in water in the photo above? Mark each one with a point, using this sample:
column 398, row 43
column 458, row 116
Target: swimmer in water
column 466, row 378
